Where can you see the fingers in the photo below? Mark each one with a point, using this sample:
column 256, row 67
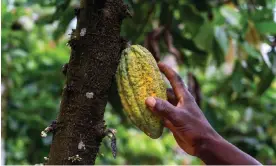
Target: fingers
column 161, row 107
column 175, row 80
column 171, row 97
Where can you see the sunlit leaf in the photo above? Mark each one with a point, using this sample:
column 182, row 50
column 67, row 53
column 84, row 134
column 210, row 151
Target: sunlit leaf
column 231, row 15
column 266, row 27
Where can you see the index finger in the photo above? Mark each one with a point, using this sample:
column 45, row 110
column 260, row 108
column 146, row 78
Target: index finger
column 175, row 80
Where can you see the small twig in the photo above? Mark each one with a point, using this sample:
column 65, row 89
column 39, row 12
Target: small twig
column 65, row 68
column 126, row 12
column 113, row 140
column 171, row 48
column 194, row 88
column 50, row 128
column 151, row 42
column 145, row 22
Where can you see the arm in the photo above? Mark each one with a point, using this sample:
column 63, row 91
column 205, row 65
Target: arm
column 190, row 128
column 220, row 151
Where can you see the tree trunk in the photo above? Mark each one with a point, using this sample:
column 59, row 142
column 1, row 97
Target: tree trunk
column 95, row 53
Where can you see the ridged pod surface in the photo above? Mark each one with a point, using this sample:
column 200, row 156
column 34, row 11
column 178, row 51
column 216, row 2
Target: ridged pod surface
column 138, row 77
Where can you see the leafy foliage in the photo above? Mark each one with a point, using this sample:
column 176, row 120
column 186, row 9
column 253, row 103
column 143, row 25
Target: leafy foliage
column 222, row 46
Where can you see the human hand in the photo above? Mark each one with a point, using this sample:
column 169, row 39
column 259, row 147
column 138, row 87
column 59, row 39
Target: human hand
column 181, row 114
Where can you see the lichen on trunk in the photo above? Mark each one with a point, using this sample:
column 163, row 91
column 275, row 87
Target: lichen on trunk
column 95, row 53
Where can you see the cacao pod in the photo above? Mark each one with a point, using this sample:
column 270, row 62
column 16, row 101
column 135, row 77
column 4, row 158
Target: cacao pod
column 138, row 77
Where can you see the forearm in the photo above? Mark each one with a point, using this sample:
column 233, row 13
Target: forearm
column 221, row 152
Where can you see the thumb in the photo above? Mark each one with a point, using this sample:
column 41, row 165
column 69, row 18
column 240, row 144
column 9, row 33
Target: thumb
column 161, row 107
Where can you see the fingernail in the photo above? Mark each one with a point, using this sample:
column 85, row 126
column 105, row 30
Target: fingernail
column 151, row 101
column 160, row 64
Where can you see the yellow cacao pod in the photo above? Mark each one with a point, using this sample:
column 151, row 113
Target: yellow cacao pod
column 138, row 77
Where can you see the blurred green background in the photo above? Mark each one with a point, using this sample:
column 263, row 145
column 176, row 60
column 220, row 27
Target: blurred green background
column 228, row 46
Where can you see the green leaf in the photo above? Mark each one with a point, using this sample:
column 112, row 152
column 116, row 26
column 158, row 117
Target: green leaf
column 201, row 5
column 182, row 42
column 191, row 18
column 232, row 16
column 266, row 27
column 16, row 53
column 251, row 50
column 204, row 38
column 237, row 81
column 218, row 52
column 221, row 38
column 64, row 21
column 266, row 80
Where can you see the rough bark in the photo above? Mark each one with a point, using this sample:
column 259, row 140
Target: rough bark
column 95, row 53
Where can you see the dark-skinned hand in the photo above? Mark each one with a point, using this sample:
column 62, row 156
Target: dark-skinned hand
column 181, row 114
column 190, row 128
